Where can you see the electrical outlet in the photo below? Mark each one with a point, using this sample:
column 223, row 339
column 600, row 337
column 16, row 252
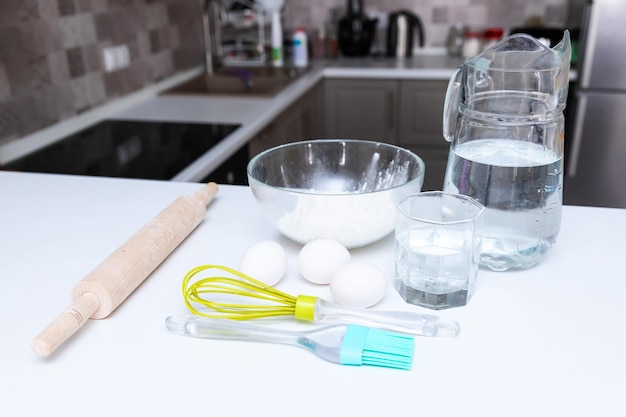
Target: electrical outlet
column 116, row 57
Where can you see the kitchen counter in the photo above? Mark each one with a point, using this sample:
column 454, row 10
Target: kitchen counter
column 544, row 341
column 427, row 66
column 252, row 114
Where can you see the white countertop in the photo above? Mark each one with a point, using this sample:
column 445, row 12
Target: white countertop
column 546, row 341
column 422, row 67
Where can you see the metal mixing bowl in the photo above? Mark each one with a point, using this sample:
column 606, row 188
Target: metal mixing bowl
column 345, row 190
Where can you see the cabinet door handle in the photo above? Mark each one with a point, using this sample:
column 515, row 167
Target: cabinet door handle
column 306, row 128
column 580, row 112
column 391, row 110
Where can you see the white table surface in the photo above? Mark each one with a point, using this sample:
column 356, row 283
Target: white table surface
column 548, row 341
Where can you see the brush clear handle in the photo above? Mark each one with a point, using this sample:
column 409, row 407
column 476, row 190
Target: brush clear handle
column 207, row 328
column 399, row 321
column 325, row 342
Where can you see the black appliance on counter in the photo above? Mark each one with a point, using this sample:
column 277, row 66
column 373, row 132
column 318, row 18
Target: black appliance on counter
column 356, row 31
column 403, row 27
column 136, row 149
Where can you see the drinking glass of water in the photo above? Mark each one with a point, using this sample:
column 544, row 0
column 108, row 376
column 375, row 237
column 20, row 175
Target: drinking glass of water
column 438, row 237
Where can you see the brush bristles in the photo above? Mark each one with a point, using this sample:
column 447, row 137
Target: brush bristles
column 366, row 346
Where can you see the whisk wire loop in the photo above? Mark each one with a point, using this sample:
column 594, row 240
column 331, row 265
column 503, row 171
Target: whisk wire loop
column 232, row 286
column 242, row 286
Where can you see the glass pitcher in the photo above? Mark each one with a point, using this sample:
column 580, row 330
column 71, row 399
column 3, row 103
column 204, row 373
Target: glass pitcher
column 503, row 116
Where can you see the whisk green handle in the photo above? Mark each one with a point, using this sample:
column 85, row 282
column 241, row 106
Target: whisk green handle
column 315, row 309
column 306, row 305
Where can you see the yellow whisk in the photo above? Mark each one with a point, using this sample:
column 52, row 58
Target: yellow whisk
column 206, row 292
column 244, row 286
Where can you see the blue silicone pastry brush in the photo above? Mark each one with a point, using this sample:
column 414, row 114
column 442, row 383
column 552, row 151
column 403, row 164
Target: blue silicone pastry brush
column 346, row 344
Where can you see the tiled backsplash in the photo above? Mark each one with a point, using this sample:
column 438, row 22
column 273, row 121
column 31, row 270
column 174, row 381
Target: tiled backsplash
column 438, row 15
column 51, row 65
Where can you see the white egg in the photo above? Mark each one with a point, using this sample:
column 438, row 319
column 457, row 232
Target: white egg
column 320, row 258
column 265, row 261
column 358, row 284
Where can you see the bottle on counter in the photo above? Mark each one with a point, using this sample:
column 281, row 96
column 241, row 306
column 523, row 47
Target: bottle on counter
column 277, row 39
column 492, row 36
column 318, row 42
column 455, row 39
column 472, row 43
column 331, row 29
column 300, row 48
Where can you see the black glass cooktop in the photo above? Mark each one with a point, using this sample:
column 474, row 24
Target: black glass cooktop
column 127, row 149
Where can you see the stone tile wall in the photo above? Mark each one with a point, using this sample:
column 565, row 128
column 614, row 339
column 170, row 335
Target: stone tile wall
column 51, row 65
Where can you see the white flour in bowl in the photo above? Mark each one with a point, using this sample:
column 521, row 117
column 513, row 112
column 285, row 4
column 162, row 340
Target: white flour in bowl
column 351, row 219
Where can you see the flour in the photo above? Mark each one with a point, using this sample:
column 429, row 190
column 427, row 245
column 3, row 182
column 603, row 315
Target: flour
column 353, row 204
column 351, row 219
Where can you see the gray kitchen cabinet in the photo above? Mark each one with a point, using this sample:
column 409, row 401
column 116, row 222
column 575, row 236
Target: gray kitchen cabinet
column 407, row 113
column 361, row 109
column 420, row 126
column 421, row 112
column 299, row 122
column 435, row 162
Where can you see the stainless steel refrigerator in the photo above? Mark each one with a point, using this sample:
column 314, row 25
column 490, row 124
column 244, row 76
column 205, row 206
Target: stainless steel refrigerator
column 595, row 173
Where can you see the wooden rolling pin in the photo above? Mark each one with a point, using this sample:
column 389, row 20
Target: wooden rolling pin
column 108, row 285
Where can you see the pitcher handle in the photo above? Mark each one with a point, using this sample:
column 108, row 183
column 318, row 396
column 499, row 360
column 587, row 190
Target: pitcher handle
column 451, row 105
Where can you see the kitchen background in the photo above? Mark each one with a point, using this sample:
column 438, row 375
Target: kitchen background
column 51, row 64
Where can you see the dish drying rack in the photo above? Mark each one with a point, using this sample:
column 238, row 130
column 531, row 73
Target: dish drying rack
column 244, row 35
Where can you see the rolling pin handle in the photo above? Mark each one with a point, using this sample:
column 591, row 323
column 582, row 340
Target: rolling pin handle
column 207, row 193
column 66, row 324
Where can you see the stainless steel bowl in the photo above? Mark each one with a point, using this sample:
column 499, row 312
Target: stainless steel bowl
column 345, row 190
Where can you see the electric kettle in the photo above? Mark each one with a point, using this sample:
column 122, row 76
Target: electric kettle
column 402, row 28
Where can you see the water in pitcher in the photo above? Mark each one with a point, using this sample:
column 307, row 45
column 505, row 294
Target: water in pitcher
column 520, row 185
